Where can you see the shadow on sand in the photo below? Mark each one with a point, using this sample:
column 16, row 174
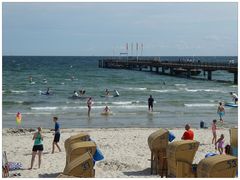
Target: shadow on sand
column 145, row 172
column 52, row 175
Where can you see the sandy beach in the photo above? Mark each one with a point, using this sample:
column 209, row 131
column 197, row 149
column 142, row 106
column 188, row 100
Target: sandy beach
column 125, row 150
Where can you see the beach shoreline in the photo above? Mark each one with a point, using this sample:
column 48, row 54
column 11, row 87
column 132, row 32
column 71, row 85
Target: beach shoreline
column 126, row 152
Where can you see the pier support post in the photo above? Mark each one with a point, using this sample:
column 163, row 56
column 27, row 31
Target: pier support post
column 188, row 73
column 209, row 75
column 235, row 78
column 157, row 69
column 140, row 68
column 171, row 71
column 151, row 68
column 163, row 70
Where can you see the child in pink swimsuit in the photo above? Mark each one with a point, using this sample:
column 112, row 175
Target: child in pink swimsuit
column 220, row 143
column 214, row 129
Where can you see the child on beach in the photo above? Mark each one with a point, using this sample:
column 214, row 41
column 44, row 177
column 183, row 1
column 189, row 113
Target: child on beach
column 56, row 135
column 214, row 129
column 37, row 147
column 220, row 143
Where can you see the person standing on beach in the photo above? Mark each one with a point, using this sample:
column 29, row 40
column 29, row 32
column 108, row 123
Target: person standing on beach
column 220, row 143
column 188, row 134
column 89, row 104
column 221, row 111
column 214, row 129
column 56, row 135
column 150, row 103
column 37, row 147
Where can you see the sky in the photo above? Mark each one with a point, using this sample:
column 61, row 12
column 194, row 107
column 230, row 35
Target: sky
column 104, row 29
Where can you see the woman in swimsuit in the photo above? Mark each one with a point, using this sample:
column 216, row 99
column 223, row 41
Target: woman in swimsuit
column 214, row 129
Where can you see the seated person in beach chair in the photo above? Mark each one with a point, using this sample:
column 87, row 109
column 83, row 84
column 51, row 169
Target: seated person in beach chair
column 5, row 168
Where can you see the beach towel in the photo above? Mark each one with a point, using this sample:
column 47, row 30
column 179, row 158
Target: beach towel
column 14, row 166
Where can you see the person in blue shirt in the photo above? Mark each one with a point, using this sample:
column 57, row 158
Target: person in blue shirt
column 56, row 135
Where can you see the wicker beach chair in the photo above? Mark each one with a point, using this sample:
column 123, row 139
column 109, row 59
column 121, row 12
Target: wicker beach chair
column 158, row 142
column 5, row 167
column 219, row 166
column 180, row 155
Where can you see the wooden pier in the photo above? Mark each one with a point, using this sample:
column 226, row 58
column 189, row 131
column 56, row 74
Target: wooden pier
column 172, row 68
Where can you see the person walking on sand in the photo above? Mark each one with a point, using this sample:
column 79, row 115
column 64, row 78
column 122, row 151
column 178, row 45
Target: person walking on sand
column 150, row 103
column 221, row 111
column 37, row 147
column 214, row 129
column 56, row 135
column 89, row 104
column 220, row 143
column 188, row 134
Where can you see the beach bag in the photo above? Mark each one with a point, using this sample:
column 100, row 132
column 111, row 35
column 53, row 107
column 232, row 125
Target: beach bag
column 171, row 137
column 98, row 156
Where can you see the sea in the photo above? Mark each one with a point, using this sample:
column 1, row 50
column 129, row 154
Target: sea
column 177, row 100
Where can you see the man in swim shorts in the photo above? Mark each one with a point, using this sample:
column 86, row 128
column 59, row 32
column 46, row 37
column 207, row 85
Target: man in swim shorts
column 150, row 103
column 221, row 111
column 56, row 135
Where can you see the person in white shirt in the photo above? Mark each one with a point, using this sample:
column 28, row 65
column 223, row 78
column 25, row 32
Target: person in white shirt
column 234, row 96
column 75, row 93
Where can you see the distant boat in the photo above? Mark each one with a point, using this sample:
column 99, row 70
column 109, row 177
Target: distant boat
column 194, row 72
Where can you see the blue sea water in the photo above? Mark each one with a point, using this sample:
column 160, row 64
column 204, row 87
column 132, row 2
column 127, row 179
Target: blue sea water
column 177, row 102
